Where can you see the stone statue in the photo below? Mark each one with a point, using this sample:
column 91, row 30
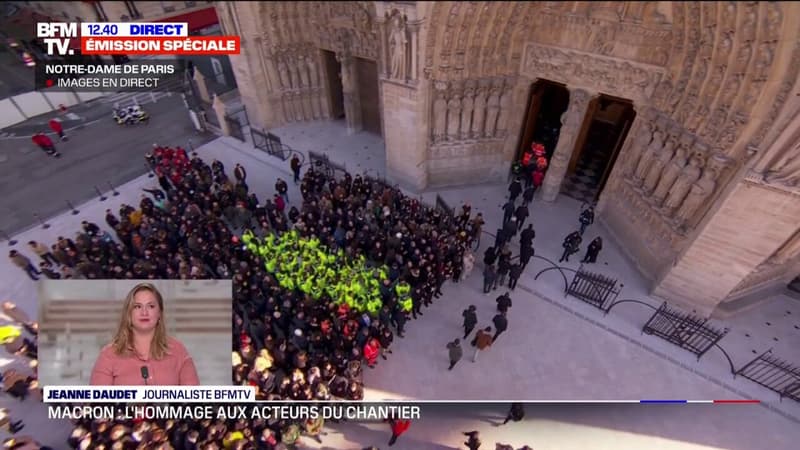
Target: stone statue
column 467, row 104
column 699, row 192
column 492, row 110
column 294, row 76
column 647, row 156
column 682, row 185
column 453, row 117
column 786, row 171
column 670, row 173
column 660, row 159
column 397, row 44
column 304, row 79
column 313, row 74
column 478, row 114
column 505, row 112
column 439, row 117
column 283, row 71
column 639, row 142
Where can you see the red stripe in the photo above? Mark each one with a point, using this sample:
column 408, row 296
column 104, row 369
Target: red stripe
column 737, row 401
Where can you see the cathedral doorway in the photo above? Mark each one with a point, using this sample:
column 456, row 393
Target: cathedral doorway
column 597, row 146
column 547, row 102
column 333, row 74
column 367, row 76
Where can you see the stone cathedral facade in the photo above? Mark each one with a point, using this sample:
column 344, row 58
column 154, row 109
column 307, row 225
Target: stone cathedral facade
column 705, row 192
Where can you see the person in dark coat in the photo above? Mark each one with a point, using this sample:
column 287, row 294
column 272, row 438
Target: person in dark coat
column 500, row 325
column 489, row 256
column 470, row 320
column 527, row 236
column 295, row 163
column 571, row 244
column 454, row 352
column 510, row 230
column 489, row 278
column 504, row 302
column 527, row 196
column 503, row 267
column 525, row 254
column 399, row 321
column 515, row 413
column 594, row 249
column 473, row 440
column 522, row 215
column 514, row 189
column 513, row 275
column 586, row 218
column 508, row 211
column 239, row 173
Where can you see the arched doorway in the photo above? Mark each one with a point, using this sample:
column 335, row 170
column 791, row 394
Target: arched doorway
column 597, row 146
column 546, row 103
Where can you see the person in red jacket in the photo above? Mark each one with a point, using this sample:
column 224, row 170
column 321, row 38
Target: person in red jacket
column 371, row 351
column 538, row 178
column 398, row 427
column 45, row 144
column 55, row 125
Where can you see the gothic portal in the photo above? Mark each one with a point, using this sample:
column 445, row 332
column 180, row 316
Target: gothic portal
column 698, row 103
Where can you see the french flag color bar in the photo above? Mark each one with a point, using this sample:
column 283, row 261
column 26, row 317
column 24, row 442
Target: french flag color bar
column 703, row 401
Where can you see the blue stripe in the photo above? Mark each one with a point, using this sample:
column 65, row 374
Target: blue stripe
column 662, row 401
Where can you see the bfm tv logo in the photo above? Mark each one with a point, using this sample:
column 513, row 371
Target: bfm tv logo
column 56, row 36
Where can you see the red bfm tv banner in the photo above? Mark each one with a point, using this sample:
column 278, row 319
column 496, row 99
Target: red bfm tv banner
column 132, row 39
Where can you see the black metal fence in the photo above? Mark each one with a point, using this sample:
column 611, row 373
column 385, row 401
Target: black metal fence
column 773, row 373
column 595, row 289
column 237, row 120
column 444, row 206
column 320, row 161
column 685, row 330
column 269, row 143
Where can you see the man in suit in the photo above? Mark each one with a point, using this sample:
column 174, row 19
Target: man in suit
column 500, row 324
column 470, row 320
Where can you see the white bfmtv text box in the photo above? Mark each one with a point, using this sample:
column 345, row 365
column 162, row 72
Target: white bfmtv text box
column 150, row 394
column 134, row 29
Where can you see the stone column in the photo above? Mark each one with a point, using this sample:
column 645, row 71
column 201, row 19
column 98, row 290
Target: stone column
column 219, row 109
column 202, row 89
column 352, row 101
column 414, row 31
column 570, row 126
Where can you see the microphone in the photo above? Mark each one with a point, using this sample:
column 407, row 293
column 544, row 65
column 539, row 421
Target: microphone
column 145, row 373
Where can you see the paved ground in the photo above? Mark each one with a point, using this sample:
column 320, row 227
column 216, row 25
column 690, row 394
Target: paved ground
column 15, row 77
column 556, row 347
column 98, row 152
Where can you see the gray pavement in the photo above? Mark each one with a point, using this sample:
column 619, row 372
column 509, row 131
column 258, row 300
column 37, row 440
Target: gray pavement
column 555, row 348
column 98, row 152
column 15, row 77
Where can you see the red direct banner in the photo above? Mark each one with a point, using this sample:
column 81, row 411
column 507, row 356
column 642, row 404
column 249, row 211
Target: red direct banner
column 192, row 45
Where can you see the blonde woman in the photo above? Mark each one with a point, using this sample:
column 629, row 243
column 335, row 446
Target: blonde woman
column 142, row 353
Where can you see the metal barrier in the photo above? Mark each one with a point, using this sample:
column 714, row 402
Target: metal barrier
column 442, row 204
column 595, row 289
column 269, row 143
column 773, row 373
column 685, row 330
column 320, row 161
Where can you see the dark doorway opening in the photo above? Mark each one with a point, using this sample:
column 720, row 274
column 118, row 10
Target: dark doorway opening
column 333, row 72
column 367, row 76
column 547, row 102
column 597, row 146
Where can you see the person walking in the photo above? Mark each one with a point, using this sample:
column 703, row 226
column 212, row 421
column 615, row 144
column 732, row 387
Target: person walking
column 295, row 164
column 473, row 441
column 571, row 245
column 239, row 173
column 527, row 236
column 594, row 249
column 45, row 144
column 398, row 427
column 522, row 215
column 526, row 252
column 508, row 211
column 470, row 320
column 282, row 189
column 586, row 218
column 515, row 413
column 24, row 263
column 500, row 325
column 538, row 178
column 527, row 196
column 454, row 352
column 55, row 125
column 482, row 341
column 513, row 275
column 503, row 267
column 514, row 189
column 489, row 278
column 504, row 302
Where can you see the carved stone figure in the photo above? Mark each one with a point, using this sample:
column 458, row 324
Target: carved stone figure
column 668, row 176
column 305, row 81
column 647, row 156
column 660, row 159
column 283, row 71
column 439, row 117
column 479, row 114
column 294, row 74
column 467, row 105
column 397, row 43
column 682, row 185
column 313, row 74
column 641, row 139
column 453, row 117
column 505, row 112
column 492, row 110
column 699, row 192
column 787, row 170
